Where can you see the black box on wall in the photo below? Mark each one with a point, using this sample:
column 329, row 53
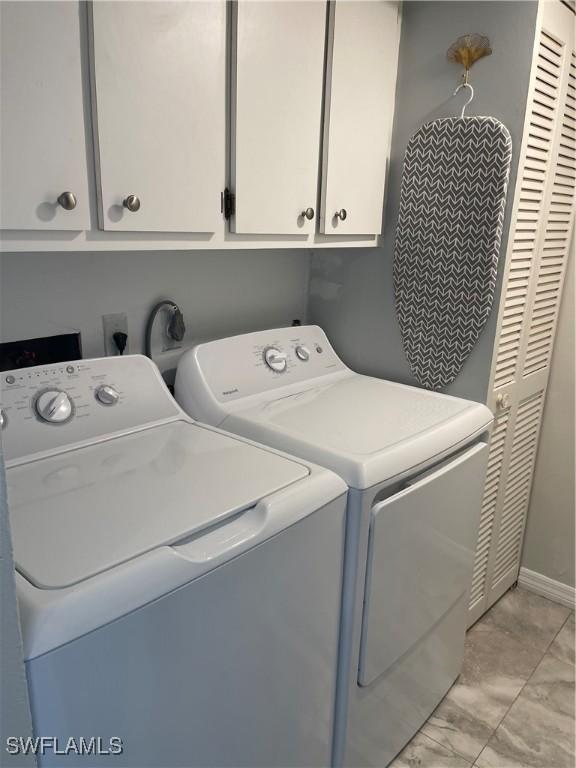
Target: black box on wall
column 41, row 351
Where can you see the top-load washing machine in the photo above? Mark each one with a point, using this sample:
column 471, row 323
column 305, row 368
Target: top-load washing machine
column 179, row 588
column 414, row 461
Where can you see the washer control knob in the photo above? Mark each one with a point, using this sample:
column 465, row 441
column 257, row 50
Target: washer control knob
column 107, row 395
column 302, row 353
column 3, row 419
column 275, row 359
column 54, row 406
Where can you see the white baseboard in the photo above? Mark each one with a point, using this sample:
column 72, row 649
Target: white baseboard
column 543, row 585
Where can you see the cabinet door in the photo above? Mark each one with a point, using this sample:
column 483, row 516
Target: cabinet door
column 277, row 77
column 43, row 141
column 360, row 86
column 159, row 113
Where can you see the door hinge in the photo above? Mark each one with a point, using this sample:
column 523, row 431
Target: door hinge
column 228, row 203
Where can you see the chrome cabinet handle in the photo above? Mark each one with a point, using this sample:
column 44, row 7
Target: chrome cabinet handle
column 308, row 214
column 132, row 203
column 342, row 214
column 67, row 200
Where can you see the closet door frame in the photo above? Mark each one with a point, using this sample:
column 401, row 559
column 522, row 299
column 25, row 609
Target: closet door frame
column 517, row 397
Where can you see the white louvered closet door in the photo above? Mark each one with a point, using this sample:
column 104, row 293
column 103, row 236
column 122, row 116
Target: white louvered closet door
column 538, row 250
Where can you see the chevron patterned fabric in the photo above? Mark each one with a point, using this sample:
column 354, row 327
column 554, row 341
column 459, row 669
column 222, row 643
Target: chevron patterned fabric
column 448, row 239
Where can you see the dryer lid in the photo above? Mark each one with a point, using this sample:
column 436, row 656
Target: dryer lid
column 365, row 429
column 83, row 512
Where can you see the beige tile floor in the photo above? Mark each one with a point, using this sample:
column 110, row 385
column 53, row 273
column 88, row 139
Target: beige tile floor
column 513, row 705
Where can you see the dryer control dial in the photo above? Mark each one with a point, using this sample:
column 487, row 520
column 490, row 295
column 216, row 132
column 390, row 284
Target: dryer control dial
column 54, row 406
column 275, row 359
column 302, row 353
column 107, row 395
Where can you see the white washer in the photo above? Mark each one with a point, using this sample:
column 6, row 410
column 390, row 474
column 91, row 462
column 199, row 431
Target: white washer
column 179, row 588
column 414, row 461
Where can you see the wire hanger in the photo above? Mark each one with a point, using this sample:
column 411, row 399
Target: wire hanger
column 465, row 84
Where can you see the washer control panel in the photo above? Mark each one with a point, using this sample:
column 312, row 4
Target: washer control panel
column 253, row 363
column 51, row 407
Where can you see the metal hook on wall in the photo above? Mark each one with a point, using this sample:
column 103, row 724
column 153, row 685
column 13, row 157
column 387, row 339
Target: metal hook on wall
column 466, row 50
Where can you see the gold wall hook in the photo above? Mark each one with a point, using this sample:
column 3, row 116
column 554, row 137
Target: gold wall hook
column 466, row 50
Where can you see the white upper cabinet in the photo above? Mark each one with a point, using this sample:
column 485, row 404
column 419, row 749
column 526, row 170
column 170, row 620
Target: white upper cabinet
column 146, row 110
column 159, row 113
column 363, row 41
column 43, row 141
column 277, row 79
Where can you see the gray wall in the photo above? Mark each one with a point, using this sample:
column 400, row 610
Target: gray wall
column 351, row 293
column 549, row 542
column 14, row 712
column 220, row 292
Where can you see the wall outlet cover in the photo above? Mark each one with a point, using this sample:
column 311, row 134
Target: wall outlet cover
column 111, row 324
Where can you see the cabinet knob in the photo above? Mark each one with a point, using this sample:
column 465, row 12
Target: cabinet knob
column 308, row 214
column 67, row 200
column 132, row 203
column 342, row 214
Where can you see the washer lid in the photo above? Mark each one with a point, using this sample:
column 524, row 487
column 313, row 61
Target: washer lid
column 82, row 512
column 365, row 429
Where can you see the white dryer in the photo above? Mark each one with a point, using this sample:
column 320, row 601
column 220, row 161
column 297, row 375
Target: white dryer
column 414, row 461
column 179, row 588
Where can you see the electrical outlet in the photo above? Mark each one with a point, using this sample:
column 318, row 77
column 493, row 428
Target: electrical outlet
column 111, row 324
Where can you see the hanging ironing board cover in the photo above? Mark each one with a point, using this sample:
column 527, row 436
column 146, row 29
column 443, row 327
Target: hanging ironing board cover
column 447, row 241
